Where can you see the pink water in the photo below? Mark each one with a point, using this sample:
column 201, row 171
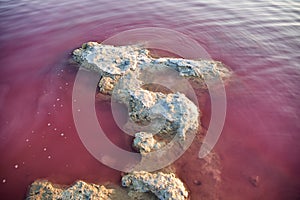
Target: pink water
column 258, row 40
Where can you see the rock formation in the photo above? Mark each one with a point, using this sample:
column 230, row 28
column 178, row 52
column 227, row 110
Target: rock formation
column 45, row 190
column 164, row 186
column 124, row 74
column 114, row 62
column 42, row 189
column 121, row 71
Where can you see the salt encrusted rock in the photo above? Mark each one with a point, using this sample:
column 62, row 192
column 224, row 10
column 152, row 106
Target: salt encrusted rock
column 114, row 62
column 123, row 71
column 200, row 72
column 107, row 84
column 207, row 69
column 145, row 142
column 176, row 112
column 107, row 60
column 42, row 189
column 180, row 113
column 164, row 186
column 139, row 105
column 118, row 60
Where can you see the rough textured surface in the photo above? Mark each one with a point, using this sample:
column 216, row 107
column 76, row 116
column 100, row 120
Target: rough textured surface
column 164, row 186
column 145, row 142
column 44, row 190
column 121, row 70
column 106, row 84
column 173, row 113
column 207, row 69
column 114, row 62
column 176, row 112
column 79, row 191
column 180, row 113
column 107, row 60
column 123, row 73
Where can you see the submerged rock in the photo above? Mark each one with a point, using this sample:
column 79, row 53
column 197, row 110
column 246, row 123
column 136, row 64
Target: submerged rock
column 164, row 186
column 254, row 180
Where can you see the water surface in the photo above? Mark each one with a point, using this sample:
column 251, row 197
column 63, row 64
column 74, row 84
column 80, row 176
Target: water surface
column 258, row 40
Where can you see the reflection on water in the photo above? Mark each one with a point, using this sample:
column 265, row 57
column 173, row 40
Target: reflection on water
column 258, row 40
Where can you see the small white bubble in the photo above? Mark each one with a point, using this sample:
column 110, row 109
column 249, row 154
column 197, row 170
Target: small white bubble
column 78, row 110
column 60, row 88
column 27, row 140
column 45, row 149
column 55, row 129
column 4, row 181
column 62, row 134
column 54, row 105
column 16, row 166
column 67, row 84
column 49, row 113
column 49, row 124
column 61, row 105
column 57, row 99
column 49, row 157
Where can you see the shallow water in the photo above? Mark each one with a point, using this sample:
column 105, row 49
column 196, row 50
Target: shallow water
column 258, row 40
